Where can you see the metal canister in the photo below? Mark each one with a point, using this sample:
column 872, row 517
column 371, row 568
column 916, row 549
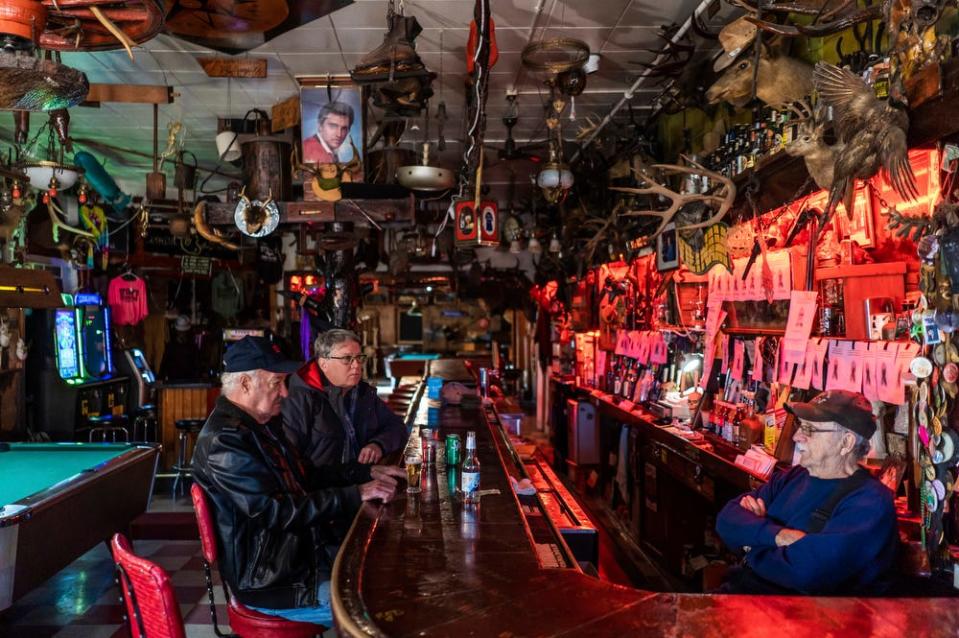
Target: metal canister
column 453, row 449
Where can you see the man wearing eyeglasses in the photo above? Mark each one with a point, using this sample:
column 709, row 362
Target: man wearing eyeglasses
column 825, row 526
column 275, row 515
column 332, row 415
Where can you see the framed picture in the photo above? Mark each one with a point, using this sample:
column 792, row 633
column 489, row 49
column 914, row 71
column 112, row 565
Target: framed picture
column 667, row 249
column 332, row 129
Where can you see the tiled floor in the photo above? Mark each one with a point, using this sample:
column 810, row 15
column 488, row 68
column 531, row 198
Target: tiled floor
column 82, row 601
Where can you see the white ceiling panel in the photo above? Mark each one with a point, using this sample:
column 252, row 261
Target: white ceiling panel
column 617, row 29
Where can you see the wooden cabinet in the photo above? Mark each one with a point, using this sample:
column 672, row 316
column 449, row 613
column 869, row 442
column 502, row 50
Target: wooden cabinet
column 862, row 282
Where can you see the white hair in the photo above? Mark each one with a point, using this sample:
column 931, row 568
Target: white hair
column 230, row 381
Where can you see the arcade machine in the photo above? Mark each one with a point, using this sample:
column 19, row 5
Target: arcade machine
column 143, row 382
column 70, row 370
column 141, row 395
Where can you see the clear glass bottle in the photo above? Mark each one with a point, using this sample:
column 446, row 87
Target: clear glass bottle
column 470, row 473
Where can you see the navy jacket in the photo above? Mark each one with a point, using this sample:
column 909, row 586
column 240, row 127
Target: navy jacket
column 312, row 424
column 852, row 555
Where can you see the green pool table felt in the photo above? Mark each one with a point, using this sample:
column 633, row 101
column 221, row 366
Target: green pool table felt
column 29, row 468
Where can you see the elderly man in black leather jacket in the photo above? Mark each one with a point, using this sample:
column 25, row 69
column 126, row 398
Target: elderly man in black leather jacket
column 272, row 509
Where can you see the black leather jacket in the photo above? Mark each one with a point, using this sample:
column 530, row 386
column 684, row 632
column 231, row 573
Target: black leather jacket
column 272, row 521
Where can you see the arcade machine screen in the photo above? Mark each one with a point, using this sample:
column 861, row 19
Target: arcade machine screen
column 142, row 367
column 95, row 336
column 67, row 346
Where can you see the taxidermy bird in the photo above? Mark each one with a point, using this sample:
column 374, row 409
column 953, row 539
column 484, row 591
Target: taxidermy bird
column 873, row 134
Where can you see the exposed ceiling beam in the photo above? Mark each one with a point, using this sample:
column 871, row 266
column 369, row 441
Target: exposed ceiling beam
column 129, row 94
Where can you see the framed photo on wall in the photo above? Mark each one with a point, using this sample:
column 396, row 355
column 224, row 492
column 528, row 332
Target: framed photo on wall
column 332, row 121
column 667, row 249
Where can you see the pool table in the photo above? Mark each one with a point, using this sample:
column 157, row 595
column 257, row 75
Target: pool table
column 408, row 364
column 58, row 500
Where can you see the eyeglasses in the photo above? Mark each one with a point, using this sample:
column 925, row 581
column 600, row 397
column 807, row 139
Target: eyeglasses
column 350, row 359
column 809, row 430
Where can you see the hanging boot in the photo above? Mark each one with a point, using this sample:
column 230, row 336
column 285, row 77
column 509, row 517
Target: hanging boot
column 404, row 98
column 394, row 59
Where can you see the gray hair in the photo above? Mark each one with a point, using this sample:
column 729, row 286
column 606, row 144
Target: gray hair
column 326, row 341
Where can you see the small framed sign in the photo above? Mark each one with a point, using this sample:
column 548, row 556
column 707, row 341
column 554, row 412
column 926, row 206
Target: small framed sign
column 196, row 265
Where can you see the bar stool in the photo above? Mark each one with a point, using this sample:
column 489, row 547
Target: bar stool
column 187, row 429
column 104, row 425
column 145, row 418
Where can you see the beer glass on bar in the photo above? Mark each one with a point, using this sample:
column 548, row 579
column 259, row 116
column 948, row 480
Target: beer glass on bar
column 414, row 464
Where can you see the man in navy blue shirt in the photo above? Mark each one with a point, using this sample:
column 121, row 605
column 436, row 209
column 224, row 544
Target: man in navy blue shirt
column 825, row 526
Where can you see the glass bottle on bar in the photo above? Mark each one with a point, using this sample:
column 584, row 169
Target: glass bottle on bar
column 628, row 380
column 620, row 376
column 470, row 473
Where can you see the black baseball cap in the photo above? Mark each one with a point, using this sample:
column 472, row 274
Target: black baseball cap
column 257, row 353
column 849, row 409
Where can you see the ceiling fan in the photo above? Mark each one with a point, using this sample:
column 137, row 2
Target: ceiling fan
column 510, row 151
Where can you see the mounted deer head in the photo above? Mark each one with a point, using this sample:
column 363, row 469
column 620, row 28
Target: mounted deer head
column 254, row 217
column 780, row 80
column 809, row 144
column 327, row 178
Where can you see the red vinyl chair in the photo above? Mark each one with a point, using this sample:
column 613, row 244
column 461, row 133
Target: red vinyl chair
column 151, row 606
column 243, row 620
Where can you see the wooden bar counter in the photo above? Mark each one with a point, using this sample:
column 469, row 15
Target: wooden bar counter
column 424, row 565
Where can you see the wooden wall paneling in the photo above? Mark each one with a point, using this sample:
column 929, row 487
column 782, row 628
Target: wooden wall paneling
column 179, row 403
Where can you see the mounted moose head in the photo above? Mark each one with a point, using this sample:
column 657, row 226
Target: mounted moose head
column 780, row 80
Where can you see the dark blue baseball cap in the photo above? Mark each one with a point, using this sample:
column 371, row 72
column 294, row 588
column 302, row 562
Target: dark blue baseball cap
column 257, row 353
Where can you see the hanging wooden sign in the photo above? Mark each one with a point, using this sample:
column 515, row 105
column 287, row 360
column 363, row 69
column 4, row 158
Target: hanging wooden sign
column 285, row 114
column 233, row 67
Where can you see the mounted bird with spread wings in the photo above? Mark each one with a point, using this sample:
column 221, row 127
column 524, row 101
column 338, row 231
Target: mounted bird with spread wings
column 872, row 132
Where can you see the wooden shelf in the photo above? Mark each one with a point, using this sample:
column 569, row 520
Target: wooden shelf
column 780, row 175
column 861, row 270
column 754, row 332
column 346, row 210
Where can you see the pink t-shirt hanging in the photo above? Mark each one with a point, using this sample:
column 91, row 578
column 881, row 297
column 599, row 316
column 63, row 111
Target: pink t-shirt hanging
column 128, row 300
